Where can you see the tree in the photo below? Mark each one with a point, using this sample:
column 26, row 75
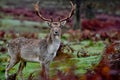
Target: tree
column 77, row 15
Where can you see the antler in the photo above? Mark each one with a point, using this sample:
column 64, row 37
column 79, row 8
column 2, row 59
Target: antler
column 37, row 11
column 71, row 12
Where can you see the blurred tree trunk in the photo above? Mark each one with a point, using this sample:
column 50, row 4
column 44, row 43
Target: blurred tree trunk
column 89, row 11
column 77, row 15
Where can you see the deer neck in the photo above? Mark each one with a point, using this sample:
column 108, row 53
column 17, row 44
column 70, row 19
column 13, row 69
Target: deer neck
column 53, row 45
column 53, row 39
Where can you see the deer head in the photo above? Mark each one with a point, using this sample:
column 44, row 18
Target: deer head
column 56, row 26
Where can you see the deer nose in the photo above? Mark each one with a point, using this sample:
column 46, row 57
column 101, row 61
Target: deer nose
column 56, row 32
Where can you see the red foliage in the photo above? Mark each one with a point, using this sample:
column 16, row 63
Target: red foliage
column 96, row 24
column 2, row 49
column 74, row 35
column 69, row 75
column 110, row 49
column 64, row 55
column 2, row 34
column 86, row 34
column 12, row 35
column 106, row 69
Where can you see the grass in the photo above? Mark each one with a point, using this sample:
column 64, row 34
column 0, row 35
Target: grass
column 81, row 64
column 20, row 26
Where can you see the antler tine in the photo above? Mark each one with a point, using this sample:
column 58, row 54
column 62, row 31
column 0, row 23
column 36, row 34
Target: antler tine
column 71, row 12
column 37, row 11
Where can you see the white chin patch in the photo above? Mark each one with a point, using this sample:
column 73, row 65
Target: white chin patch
column 57, row 37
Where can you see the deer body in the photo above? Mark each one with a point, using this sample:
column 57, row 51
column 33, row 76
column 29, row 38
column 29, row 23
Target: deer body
column 33, row 50
column 36, row 50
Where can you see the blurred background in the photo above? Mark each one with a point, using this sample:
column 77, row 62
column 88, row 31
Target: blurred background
column 94, row 26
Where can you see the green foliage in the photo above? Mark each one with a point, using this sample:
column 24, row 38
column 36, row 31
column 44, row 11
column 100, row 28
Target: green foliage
column 81, row 64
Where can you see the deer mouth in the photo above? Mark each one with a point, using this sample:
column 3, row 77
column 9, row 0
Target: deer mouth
column 56, row 34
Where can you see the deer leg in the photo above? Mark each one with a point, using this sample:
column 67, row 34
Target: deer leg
column 45, row 71
column 12, row 63
column 20, row 69
column 47, row 67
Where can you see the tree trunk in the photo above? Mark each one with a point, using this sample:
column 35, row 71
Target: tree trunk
column 77, row 15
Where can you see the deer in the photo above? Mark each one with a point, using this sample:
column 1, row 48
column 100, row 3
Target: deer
column 43, row 51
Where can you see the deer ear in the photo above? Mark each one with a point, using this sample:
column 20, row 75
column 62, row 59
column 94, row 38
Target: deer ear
column 63, row 23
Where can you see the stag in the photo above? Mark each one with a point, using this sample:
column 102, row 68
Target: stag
column 37, row 50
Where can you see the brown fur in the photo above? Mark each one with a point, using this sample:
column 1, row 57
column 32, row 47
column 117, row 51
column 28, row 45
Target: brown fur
column 34, row 50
